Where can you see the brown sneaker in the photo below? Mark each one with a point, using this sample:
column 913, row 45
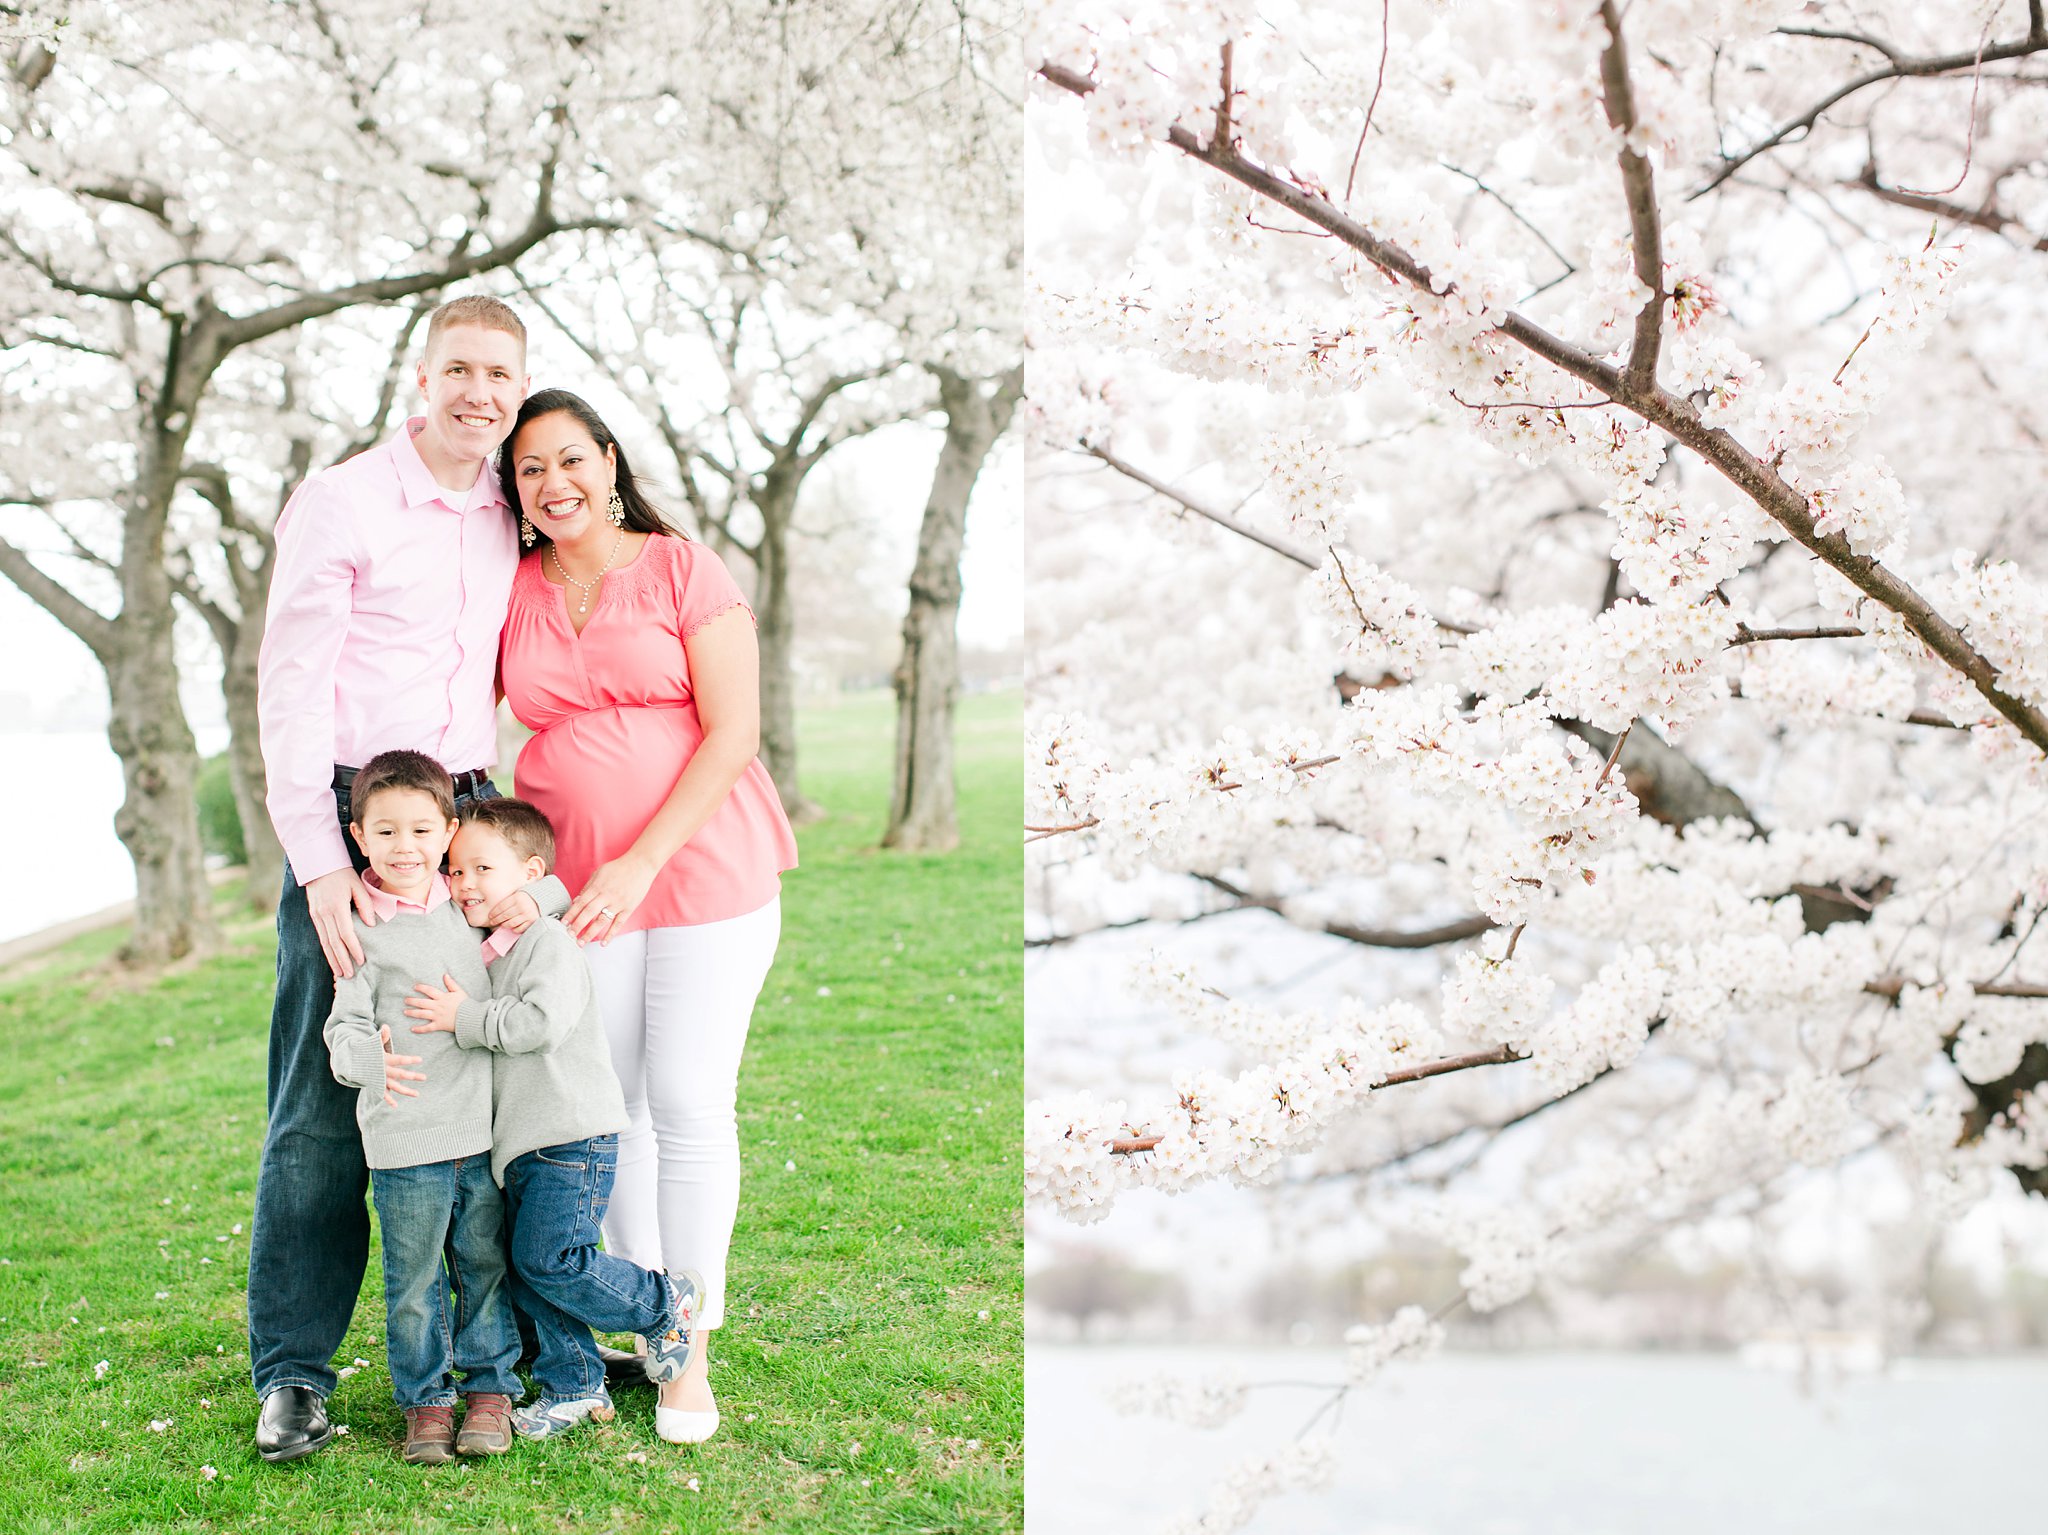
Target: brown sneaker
column 429, row 1435
column 487, row 1428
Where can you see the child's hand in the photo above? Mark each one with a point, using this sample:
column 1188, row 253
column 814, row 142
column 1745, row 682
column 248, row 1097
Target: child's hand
column 518, row 911
column 438, row 1007
column 393, row 1069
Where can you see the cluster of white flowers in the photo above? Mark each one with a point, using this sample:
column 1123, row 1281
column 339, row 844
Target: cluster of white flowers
column 1606, row 1024
column 1661, row 661
column 1506, row 1249
column 1309, row 485
column 1673, row 552
column 1219, row 1125
column 1172, row 981
column 1814, row 684
column 1812, row 1118
column 1496, row 1000
column 1067, row 1160
column 1994, row 1035
column 1213, row 334
column 1205, row 1403
column 1378, row 621
column 1407, row 1334
column 2004, row 612
column 2020, row 1136
column 1301, row 1466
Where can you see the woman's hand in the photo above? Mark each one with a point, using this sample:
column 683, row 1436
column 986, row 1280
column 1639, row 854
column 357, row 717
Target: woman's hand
column 436, row 1006
column 612, row 891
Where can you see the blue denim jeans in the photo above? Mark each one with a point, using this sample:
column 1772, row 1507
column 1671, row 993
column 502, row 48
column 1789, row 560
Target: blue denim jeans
column 447, row 1316
column 556, row 1198
column 310, row 1240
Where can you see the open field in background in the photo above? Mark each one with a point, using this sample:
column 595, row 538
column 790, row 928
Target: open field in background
column 870, row 1371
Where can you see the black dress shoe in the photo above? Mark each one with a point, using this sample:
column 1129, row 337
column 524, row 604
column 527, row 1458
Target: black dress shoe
column 293, row 1422
column 621, row 1367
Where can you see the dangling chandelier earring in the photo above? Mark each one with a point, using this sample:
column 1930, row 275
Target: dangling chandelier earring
column 526, row 532
column 615, row 509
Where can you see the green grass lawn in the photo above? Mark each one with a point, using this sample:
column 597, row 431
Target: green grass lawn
column 870, row 1368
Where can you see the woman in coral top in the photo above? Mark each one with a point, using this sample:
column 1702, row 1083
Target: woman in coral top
column 630, row 653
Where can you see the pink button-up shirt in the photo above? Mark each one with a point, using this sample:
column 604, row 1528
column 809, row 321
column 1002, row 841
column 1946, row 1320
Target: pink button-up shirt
column 386, row 905
column 498, row 945
column 385, row 605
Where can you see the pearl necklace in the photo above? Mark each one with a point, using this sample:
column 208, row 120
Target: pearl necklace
column 587, row 587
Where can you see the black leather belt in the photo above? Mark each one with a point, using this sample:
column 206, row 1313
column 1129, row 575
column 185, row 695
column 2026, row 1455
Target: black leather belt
column 467, row 785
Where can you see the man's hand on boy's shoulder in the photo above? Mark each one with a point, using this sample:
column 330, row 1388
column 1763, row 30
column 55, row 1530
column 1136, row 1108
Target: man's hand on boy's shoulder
column 329, row 899
column 395, row 1074
column 437, row 1005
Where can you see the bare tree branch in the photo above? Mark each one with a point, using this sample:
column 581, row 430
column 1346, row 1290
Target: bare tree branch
column 1372, row 937
column 1977, row 218
column 92, row 627
column 1897, row 67
column 1639, row 184
column 1221, row 519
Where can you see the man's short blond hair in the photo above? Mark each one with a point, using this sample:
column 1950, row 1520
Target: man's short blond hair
column 476, row 309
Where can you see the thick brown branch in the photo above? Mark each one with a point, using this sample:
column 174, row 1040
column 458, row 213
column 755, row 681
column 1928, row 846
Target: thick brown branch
column 1639, row 184
column 1744, row 635
column 1372, row 937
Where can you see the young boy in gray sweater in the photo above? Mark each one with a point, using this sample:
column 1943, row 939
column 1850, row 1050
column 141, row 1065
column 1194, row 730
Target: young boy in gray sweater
column 556, row 1111
column 428, row 1147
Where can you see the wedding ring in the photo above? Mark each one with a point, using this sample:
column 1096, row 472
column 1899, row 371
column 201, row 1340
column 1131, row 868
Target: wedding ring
column 606, row 911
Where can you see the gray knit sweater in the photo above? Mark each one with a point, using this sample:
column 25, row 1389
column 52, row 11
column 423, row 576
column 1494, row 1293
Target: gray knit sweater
column 551, row 1071
column 451, row 1117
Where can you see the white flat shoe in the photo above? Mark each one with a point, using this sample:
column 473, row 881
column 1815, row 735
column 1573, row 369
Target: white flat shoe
column 680, row 1427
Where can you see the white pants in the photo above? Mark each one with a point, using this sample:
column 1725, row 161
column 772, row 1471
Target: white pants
column 675, row 1003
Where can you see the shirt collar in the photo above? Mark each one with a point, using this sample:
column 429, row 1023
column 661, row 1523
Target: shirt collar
column 499, row 944
column 417, row 481
column 386, row 905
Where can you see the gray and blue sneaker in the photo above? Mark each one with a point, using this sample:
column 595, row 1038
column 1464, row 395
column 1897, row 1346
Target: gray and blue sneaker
column 670, row 1354
column 553, row 1415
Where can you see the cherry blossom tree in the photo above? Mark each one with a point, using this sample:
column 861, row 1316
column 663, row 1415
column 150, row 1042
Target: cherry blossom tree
column 186, row 182
column 1548, row 494
column 869, row 182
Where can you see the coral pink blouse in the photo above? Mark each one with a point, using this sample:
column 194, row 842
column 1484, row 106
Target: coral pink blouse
column 615, row 722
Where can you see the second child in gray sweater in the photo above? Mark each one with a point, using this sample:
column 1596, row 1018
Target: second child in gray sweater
column 556, row 1113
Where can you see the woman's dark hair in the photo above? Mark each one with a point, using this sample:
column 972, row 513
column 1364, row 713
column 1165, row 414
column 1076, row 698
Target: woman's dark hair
column 641, row 515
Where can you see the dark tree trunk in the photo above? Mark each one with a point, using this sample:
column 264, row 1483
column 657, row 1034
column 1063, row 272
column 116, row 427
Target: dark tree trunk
column 265, row 857
column 158, row 820
column 773, row 613
column 921, row 805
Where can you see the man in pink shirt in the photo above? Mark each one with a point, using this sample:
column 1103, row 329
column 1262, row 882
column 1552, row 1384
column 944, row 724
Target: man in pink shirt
column 392, row 576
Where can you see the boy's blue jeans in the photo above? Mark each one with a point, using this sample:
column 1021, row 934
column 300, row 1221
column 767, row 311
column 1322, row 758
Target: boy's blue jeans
column 555, row 1199
column 310, row 1239
column 438, row 1320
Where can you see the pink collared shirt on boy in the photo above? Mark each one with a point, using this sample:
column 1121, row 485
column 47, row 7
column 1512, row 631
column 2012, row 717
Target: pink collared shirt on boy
column 387, row 905
column 385, row 606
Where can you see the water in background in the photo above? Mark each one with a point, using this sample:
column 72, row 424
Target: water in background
column 61, row 857
column 1551, row 1444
